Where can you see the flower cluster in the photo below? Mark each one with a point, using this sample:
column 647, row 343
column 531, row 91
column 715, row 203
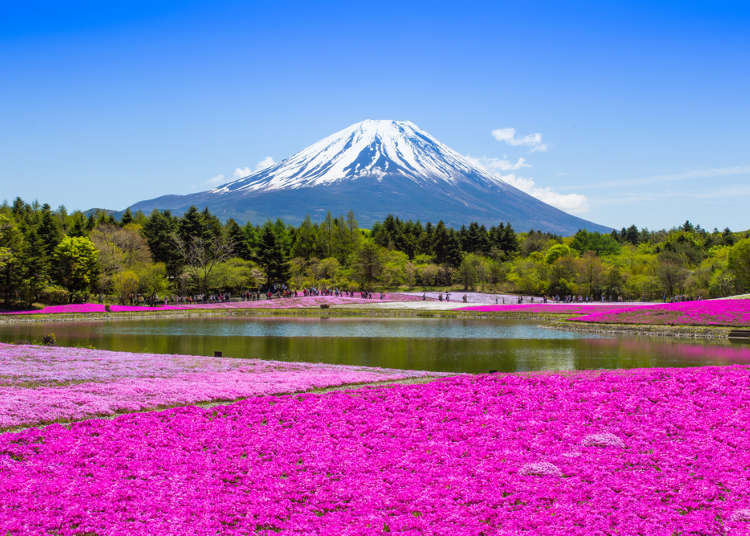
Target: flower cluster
column 43, row 384
column 551, row 308
column 698, row 313
column 281, row 303
column 649, row 452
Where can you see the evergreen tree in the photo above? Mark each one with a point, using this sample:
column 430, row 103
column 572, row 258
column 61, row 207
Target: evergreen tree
column 238, row 240
column 251, row 239
column 159, row 230
column 35, row 266
column 50, row 233
column 446, row 246
column 79, row 226
column 191, row 226
column 12, row 247
column 127, row 217
column 305, row 243
column 272, row 259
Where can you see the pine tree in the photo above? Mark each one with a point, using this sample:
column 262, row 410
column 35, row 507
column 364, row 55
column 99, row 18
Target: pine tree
column 79, row 226
column 238, row 240
column 159, row 230
column 127, row 217
column 49, row 231
column 272, row 259
column 305, row 243
column 12, row 247
column 446, row 246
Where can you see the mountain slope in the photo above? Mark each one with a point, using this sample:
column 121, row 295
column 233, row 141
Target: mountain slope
column 377, row 168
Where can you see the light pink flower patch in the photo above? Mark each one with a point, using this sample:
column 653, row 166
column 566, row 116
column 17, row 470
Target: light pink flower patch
column 604, row 439
column 540, row 469
column 43, row 384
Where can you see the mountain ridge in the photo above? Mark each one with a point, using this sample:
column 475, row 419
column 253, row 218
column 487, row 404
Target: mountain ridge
column 377, row 167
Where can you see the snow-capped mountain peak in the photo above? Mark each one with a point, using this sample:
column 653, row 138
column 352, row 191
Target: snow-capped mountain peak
column 370, row 148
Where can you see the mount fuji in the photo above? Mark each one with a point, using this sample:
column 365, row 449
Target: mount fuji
column 376, row 168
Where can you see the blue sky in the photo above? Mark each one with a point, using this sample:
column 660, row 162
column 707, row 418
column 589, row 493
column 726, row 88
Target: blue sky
column 642, row 109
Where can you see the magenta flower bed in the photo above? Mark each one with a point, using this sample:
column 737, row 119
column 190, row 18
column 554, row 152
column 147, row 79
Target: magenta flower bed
column 43, row 384
column 88, row 308
column 698, row 313
column 643, row 452
column 554, row 308
column 281, row 303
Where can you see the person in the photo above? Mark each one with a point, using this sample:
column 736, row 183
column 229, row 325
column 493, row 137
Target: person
column 466, row 298
column 447, row 297
column 440, row 296
column 424, row 296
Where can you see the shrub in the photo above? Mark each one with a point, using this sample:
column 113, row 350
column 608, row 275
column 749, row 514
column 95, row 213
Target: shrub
column 54, row 295
column 80, row 296
column 49, row 340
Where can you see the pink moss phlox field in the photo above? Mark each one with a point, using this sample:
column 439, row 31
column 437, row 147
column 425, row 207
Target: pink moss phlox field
column 696, row 313
column 467, row 455
column 44, row 384
column 280, row 303
column 553, row 308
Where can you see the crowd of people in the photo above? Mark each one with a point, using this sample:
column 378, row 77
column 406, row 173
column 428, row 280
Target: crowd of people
column 275, row 292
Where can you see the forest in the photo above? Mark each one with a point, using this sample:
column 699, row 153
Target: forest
column 55, row 257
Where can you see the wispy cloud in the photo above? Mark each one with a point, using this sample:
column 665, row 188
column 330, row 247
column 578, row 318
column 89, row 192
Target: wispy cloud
column 263, row 164
column 644, row 197
column 497, row 165
column 573, row 203
column 705, row 173
column 216, row 180
column 508, row 135
column 240, row 172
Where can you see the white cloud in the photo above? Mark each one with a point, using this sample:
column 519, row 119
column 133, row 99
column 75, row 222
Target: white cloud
column 266, row 162
column 573, row 203
column 496, row 165
column 216, row 180
column 240, row 172
column 508, row 135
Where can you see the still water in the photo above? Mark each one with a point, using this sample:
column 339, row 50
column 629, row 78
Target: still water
column 422, row 343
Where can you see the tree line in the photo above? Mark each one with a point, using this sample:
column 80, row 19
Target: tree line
column 52, row 256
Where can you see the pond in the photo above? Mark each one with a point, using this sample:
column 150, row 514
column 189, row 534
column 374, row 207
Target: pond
column 450, row 345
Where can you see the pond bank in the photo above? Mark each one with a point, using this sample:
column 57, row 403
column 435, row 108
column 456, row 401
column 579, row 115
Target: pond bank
column 649, row 330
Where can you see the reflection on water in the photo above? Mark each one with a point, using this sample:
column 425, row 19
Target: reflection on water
column 428, row 344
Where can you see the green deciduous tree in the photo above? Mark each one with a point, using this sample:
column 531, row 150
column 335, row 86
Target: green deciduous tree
column 739, row 264
column 76, row 264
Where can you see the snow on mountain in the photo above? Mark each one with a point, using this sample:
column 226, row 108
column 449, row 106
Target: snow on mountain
column 370, row 148
column 376, row 168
